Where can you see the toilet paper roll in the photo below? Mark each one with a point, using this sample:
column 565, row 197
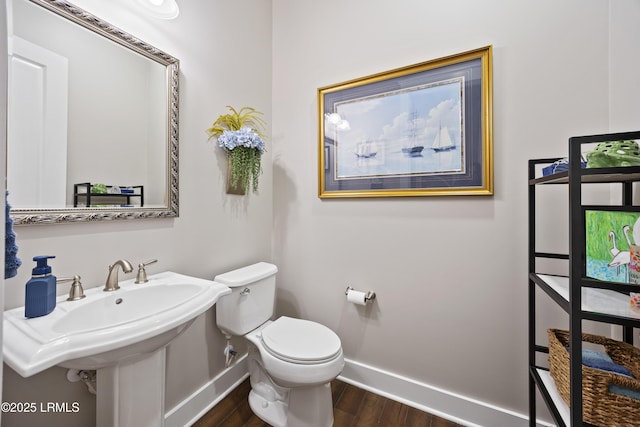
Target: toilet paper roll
column 356, row 297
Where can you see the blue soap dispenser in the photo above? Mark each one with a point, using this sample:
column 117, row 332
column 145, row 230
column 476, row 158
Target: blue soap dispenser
column 40, row 292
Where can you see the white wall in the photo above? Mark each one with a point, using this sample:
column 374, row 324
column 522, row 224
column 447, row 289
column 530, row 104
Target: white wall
column 624, row 57
column 224, row 49
column 450, row 273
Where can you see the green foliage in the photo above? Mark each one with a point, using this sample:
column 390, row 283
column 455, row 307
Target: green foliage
column 99, row 188
column 236, row 120
column 245, row 168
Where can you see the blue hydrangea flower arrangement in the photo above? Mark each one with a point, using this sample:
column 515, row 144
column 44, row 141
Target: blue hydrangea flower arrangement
column 245, row 137
column 239, row 133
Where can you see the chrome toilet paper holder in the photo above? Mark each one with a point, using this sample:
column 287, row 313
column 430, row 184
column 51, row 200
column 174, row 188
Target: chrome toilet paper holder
column 368, row 297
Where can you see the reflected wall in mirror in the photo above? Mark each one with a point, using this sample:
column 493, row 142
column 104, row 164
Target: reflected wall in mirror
column 87, row 104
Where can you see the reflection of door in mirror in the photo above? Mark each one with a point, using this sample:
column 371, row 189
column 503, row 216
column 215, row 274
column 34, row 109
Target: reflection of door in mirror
column 37, row 125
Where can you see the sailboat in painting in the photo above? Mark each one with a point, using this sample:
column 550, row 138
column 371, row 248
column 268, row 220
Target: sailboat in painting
column 366, row 150
column 414, row 149
column 442, row 141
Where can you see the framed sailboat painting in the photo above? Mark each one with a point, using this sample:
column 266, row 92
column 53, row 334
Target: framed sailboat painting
column 421, row 130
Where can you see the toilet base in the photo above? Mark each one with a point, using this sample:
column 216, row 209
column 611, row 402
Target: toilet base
column 271, row 412
column 307, row 407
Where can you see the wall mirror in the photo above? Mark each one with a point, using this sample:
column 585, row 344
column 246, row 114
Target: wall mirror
column 92, row 119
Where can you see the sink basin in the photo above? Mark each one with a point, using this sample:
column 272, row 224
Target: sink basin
column 107, row 328
column 118, row 309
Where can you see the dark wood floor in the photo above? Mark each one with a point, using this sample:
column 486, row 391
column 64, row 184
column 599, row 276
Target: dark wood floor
column 352, row 407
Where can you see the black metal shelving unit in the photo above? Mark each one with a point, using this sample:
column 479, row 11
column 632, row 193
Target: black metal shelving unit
column 83, row 196
column 568, row 291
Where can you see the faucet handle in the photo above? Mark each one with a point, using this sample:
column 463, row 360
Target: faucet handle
column 141, row 277
column 76, row 292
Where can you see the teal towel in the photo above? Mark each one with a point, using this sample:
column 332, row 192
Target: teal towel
column 598, row 360
column 602, row 361
column 11, row 260
column 624, row 391
column 595, row 355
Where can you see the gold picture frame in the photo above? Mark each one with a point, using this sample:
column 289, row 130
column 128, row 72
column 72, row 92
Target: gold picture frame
column 421, row 130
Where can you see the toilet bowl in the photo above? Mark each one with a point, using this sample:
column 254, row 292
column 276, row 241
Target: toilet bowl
column 291, row 361
column 298, row 352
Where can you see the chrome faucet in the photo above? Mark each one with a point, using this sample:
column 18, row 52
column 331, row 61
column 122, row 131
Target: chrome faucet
column 112, row 278
column 141, row 277
column 76, row 292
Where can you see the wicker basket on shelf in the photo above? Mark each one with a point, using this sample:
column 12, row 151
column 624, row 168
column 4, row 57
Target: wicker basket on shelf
column 599, row 406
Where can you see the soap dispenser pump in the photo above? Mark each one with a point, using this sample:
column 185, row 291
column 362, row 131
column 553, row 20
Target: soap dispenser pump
column 40, row 292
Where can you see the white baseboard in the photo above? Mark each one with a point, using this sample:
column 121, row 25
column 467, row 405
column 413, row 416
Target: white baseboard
column 206, row 397
column 451, row 406
column 442, row 403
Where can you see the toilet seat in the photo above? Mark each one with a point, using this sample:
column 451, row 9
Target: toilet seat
column 300, row 341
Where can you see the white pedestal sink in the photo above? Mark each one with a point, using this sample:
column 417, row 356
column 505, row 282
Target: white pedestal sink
column 121, row 334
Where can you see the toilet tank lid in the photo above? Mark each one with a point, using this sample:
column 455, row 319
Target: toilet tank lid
column 245, row 275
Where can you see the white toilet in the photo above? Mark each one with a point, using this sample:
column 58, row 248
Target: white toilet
column 291, row 361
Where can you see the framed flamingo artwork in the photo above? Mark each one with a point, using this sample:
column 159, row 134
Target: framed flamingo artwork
column 420, row 130
column 613, row 245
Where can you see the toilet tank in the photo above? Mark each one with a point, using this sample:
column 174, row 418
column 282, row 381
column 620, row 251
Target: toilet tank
column 252, row 298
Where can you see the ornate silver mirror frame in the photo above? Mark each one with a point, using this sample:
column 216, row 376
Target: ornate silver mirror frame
column 170, row 209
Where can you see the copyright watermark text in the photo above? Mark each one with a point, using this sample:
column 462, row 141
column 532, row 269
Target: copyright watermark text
column 48, row 407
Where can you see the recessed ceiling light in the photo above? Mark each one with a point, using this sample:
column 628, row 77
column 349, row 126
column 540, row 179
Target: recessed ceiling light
column 162, row 9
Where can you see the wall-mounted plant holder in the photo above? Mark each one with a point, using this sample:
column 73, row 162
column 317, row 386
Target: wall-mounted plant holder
column 237, row 189
column 240, row 134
